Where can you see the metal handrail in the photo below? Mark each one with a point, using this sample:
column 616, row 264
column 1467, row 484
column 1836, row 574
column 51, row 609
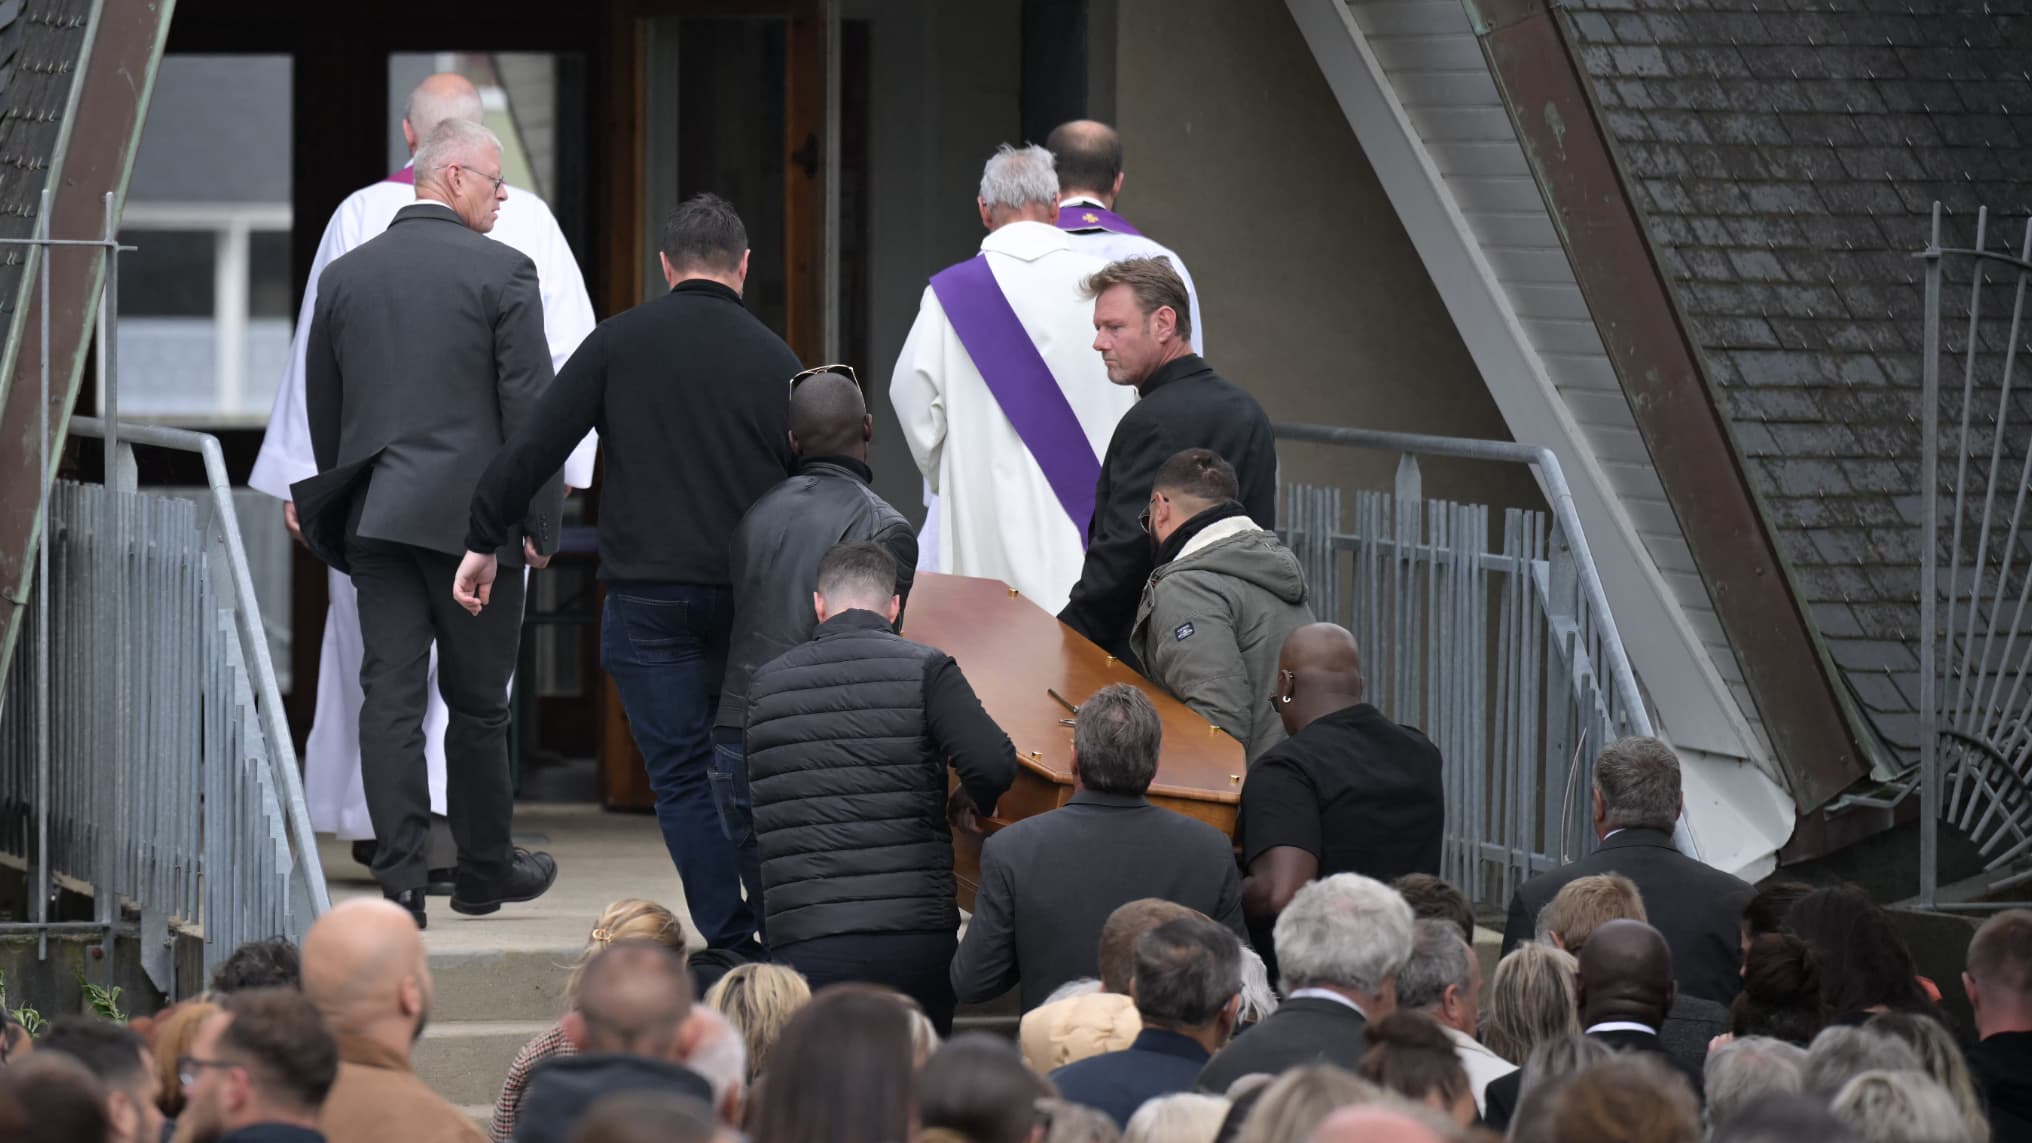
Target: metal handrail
column 282, row 748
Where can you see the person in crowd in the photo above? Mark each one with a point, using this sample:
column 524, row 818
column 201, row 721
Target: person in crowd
column 1187, row 986
column 843, row 1072
column 426, row 354
column 648, row 1117
column 975, row 1089
column 1555, row 1060
column 1784, row 1119
column 1747, row 1068
column 773, row 564
column 1899, row 1107
column 1765, row 912
column 1181, row 1117
column 1050, row 882
column 1349, row 792
column 262, row 1067
column 1943, row 1060
column 1410, row 1054
column 1143, row 331
column 364, row 967
column 1242, row 1096
column 272, row 962
column 1630, row 1097
column 632, row 1030
column 1636, row 800
column 1533, row 998
column 1433, row 898
column 759, row 1000
column 1624, row 988
column 174, row 1031
column 1075, row 1123
column 1224, row 596
column 1585, row 904
column 50, row 1098
column 1088, row 158
column 1069, row 1028
column 628, row 919
column 1842, row 1052
column 1443, row 981
column 1998, row 981
column 1865, row 966
column 1341, row 942
column 1301, row 1098
column 124, row 1067
column 1375, row 1125
column 694, row 364
column 333, row 790
column 1003, row 403
column 851, row 809
column 1782, row 993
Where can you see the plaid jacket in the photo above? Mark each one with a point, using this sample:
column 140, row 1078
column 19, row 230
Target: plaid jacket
column 546, row 1046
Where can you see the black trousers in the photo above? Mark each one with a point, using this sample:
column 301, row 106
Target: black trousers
column 919, row 965
column 406, row 603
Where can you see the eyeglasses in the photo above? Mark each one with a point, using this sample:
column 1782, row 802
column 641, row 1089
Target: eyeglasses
column 1143, row 521
column 189, row 1067
column 497, row 180
column 846, row 371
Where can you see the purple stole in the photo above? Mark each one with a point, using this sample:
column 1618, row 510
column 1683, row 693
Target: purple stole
column 1084, row 217
column 406, row 175
column 1022, row 384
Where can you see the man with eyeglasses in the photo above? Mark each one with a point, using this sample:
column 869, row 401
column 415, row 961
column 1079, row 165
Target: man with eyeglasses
column 687, row 391
column 258, row 1071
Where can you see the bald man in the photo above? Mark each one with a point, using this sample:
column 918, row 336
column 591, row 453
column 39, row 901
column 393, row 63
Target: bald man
column 1348, row 792
column 364, row 967
column 774, row 564
column 1375, row 1123
column 332, row 784
column 1088, row 154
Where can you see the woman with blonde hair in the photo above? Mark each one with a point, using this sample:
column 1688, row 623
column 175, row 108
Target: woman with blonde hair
column 629, row 919
column 1293, row 1106
column 759, row 1000
column 171, row 1041
column 1944, row 1062
column 1532, row 999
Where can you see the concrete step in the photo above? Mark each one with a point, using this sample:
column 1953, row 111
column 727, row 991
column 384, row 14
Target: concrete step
column 465, row 1061
column 480, row 1113
column 519, row 984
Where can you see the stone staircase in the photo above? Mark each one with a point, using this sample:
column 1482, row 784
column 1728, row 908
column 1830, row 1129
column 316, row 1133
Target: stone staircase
column 487, row 1005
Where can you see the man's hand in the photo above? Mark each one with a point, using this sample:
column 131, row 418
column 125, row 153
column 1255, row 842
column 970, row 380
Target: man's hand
column 289, row 521
column 530, row 556
column 474, row 584
column 962, row 813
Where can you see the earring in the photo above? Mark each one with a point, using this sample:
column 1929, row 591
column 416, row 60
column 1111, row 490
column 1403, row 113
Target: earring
column 1284, row 700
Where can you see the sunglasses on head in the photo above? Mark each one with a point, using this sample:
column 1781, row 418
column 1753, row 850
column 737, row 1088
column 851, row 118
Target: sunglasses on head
column 846, row 371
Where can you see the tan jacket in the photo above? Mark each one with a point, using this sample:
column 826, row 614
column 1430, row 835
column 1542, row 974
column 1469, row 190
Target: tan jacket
column 1077, row 1027
column 377, row 1099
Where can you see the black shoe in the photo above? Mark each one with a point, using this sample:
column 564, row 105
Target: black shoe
column 440, row 883
column 527, row 877
column 412, row 900
column 363, row 852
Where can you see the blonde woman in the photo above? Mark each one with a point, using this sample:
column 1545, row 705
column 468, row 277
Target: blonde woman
column 1295, row 1103
column 1532, row 999
column 758, row 1000
column 629, row 919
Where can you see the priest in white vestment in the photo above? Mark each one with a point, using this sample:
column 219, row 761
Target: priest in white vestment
column 1088, row 154
column 1005, row 453
column 332, row 785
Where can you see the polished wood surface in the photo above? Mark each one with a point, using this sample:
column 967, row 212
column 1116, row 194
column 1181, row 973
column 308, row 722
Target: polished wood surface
column 1015, row 653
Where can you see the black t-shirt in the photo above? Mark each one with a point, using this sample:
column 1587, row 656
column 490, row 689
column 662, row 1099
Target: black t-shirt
column 1355, row 790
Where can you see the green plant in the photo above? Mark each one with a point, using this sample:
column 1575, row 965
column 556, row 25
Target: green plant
column 102, row 1002
column 27, row 1017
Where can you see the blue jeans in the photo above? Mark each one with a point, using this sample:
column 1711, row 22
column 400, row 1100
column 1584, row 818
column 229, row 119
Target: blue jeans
column 737, row 815
column 665, row 646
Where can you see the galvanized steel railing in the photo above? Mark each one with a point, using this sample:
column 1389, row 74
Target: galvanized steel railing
column 1499, row 645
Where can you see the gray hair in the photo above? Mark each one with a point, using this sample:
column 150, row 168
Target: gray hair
column 723, row 1056
column 428, row 107
column 1841, row 1053
column 1186, row 972
column 1745, row 1069
column 1639, row 781
column 1343, row 931
column 1116, row 736
column 1439, row 958
column 1020, row 176
column 1557, row 1059
column 1077, row 1123
column 1899, row 1107
column 452, row 142
column 1182, row 1117
column 1258, row 998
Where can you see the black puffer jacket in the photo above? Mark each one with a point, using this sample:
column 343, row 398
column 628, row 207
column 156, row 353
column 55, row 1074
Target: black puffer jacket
column 847, row 741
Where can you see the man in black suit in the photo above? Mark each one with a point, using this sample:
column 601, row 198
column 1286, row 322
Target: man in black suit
column 1625, row 990
column 1340, row 944
column 1999, row 986
column 1188, row 987
column 426, row 352
column 1050, row 882
column 1698, row 908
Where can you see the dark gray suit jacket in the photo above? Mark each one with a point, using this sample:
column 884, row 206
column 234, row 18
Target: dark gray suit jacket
column 1049, row 882
column 426, row 351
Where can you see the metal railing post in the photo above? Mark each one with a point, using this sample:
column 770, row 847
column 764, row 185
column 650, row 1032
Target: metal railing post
column 1929, row 496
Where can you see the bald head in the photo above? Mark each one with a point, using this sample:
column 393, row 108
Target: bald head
column 446, row 95
column 364, row 967
column 1089, row 159
column 1625, row 974
column 1319, row 672
column 634, row 998
column 1371, row 1123
column 829, row 417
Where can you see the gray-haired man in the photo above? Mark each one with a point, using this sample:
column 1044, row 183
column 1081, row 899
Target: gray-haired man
column 1443, row 979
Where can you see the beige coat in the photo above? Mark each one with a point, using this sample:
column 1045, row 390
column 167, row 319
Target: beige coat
column 1077, row 1027
column 378, row 1099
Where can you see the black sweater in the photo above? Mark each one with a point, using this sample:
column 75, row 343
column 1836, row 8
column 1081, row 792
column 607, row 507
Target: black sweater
column 690, row 394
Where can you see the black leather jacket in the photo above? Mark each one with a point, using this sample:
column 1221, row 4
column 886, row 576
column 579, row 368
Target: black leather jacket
column 773, row 561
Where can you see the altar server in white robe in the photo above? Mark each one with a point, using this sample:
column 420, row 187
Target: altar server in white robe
column 1088, row 154
column 332, row 785
column 1005, row 404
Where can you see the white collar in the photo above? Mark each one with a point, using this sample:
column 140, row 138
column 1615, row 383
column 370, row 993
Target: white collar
column 1465, row 1042
column 1081, row 200
column 1326, row 994
column 1612, row 833
column 1025, row 240
column 1216, row 532
column 1622, row 1026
